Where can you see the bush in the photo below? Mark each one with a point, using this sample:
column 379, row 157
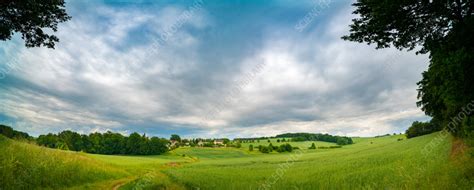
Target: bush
column 285, row 148
column 313, row 146
column 238, row 145
column 250, row 147
column 265, row 149
column 329, row 147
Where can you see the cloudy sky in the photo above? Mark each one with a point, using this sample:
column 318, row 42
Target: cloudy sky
column 208, row 69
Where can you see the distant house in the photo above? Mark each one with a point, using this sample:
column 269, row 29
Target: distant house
column 173, row 143
column 218, row 142
column 200, row 143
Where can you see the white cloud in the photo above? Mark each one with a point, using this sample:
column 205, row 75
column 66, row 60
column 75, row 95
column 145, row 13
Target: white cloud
column 100, row 78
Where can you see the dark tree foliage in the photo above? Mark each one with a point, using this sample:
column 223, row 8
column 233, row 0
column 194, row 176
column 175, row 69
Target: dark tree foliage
column 422, row 128
column 175, row 137
column 407, row 24
column 106, row 143
column 30, row 18
column 298, row 137
column 442, row 28
column 13, row 134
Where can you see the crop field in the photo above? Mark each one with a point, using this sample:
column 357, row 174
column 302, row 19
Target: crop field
column 370, row 163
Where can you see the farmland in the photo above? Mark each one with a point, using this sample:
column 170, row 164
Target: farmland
column 372, row 163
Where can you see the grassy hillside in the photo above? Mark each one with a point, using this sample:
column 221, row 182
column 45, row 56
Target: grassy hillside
column 370, row 163
column 373, row 163
column 302, row 145
column 26, row 166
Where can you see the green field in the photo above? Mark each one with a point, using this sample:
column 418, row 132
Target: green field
column 370, row 163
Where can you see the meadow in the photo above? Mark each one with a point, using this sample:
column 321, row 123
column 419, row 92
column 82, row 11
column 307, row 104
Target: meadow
column 370, row 163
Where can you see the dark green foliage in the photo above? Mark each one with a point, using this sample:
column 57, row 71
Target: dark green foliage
column 13, row 134
column 265, row 149
column 278, row 140
column 106, row 143
column 238, row 144
column 422, row 128
column 270, row 147
column 250, row 147
column 443, row 28
column 175, row 137
column 408, row 24
column 282, row 148
column 329, row 147
column 30, row 17
column 298, row 137
column 313, row 146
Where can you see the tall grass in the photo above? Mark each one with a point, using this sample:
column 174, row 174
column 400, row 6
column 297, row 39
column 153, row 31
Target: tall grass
column 371, row 163
column 26, row 166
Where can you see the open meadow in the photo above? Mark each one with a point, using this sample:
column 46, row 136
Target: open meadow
column 370, row 163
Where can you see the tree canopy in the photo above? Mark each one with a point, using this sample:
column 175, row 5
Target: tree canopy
column 317, row 137
column 31, row 18
column 9, row 132
column 105, row 143
column 442, row 28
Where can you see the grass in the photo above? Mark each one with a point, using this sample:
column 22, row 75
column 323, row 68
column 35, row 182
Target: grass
column 26, row 166
column 370, row 163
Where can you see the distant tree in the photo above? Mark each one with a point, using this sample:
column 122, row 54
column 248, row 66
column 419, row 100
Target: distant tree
column 342, row 141
column 278, row 140
column 30, row 18
column 418, row 128
column 9, row 132
column 268, row 140
column 133, row 143
column 50, row 140
column 250, row 147
column 238, row 145
column 175, row 137
column 6, row 131
column 71, row 139
column 288, row 147
column 284, row 140
column 265, row 149
column 313, row 146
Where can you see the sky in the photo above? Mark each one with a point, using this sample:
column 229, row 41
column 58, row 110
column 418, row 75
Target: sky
column 204, row 68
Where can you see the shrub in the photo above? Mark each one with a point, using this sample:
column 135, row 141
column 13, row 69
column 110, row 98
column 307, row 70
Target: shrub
column 265, row 149
column 313, row 146
column 250, row 147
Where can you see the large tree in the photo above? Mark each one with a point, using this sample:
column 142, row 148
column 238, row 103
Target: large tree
column 31, row 18
column 442, row 28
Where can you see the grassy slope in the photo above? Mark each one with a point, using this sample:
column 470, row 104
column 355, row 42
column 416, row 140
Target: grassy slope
column 26, row 166
column 384, row 163
column 302, row 145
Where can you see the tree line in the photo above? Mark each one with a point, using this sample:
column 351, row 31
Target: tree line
column 105, row 143
column 13, row 134
column 270, row 148
column 340, row 140
column 418, row 128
